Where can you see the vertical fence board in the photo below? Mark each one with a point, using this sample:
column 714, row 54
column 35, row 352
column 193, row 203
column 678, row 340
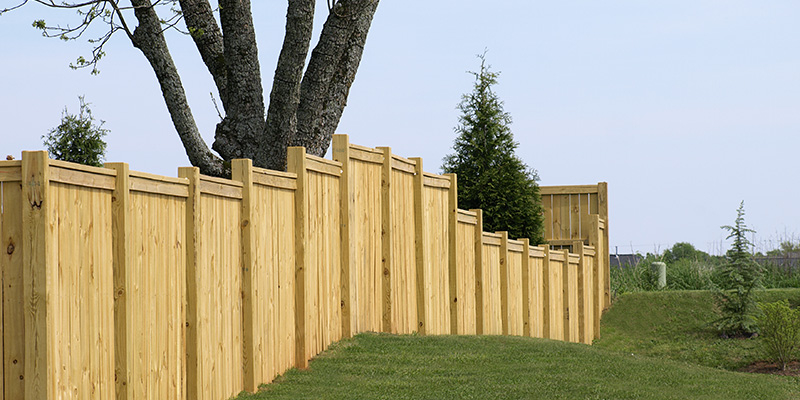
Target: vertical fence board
column 490, row 281
column 11, row 262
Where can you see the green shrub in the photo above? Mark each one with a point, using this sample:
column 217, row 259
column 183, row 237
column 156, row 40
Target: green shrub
column 738, row 280
column 686, row 274
column 77, row 139
column 780, row 331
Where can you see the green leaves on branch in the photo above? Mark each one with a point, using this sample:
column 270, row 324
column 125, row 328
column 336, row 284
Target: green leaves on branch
column 780, row 331
column 77, row 139
column 490, row 176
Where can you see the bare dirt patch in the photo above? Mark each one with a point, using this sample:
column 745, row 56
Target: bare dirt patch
column 767, row 367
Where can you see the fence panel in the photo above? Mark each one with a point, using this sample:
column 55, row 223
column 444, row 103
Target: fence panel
column 399, row 254
column 150, row 277
column 432, row 225
column 268, row 257
column 214, row 286
column 317, row 254
column 511, row 264
column 554, row 283
column 586, row 295
column 491, row 310
column 462, row 277
column 570, row 288
column 362, row 278
column 535, row 295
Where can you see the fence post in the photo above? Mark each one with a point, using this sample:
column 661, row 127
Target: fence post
column 386, row 238
column 602, row 205
column 453, row 264
column 341, row 153
column 242, row 171
column 506, row 321
column 120, row 206
column 526, row 287
column 296, row 163
column 478, row 271
column 192, row 318
column 420, row 238
column 545, row 306
column 37, row 265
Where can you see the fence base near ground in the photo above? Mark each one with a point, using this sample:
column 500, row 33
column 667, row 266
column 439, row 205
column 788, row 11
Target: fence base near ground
column 118, row 284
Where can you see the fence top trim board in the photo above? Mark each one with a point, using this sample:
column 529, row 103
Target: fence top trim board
column 157, row 184
column 401, row 163
column 557, row 256
column 437, row 181
column 516, row 246
column 575, row 189
column 574, row 258
column 277, row 179
column 11, row 171
column 366, row 154
column 467, row 217
column 323, row 166
column 493, row 239
column 82, row 175
column 220, row 187
column 536, row 252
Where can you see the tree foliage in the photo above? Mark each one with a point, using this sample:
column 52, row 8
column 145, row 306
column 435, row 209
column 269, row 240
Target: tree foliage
column 306, row 101
column 490, row 176
column 780, row 331
column 77, row 139
column 738, row 280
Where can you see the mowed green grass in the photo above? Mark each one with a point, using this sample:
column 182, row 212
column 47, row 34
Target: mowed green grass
column 382, row 366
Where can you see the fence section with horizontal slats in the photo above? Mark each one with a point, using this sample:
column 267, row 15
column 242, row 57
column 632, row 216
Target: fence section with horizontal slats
column 122, row 284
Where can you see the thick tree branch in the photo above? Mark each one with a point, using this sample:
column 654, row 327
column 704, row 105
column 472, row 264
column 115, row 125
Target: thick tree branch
column 342, row 80
column 245, row 119
column 149, row 38
column 285, row 95
column 334, row 54
column 205, row 32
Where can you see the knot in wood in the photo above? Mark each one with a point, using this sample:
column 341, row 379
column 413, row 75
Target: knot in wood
column 10, row 248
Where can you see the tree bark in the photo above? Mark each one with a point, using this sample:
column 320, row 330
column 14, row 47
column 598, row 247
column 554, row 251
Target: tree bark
column 285, row 96
column 330, row 73
column 148, row 38
column 205, row 32
column 238, row 133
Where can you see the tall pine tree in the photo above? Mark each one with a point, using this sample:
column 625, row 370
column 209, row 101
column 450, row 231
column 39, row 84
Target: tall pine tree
column 490, row 176
column 738, row 281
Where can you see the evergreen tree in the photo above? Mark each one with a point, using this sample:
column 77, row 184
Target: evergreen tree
column 490, row 176
column 77, row 139
column 738, row 280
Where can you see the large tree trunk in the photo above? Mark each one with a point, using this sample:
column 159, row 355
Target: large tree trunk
column 148, row 37
column 331, row 72
column 238, row 134
column 285, row 96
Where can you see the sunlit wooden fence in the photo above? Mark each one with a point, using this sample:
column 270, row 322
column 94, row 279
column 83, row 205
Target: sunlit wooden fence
column 122, row 284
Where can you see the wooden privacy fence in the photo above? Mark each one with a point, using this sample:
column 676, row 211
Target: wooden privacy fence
column 122, row 284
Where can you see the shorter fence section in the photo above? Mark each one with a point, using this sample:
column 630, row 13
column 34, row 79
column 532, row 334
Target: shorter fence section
column 121, row 284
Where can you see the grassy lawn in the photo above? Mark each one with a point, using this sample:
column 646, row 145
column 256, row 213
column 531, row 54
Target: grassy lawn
column 676, row 325
column 381, row 366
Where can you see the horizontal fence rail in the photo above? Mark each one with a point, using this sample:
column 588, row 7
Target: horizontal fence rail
column 119, row 284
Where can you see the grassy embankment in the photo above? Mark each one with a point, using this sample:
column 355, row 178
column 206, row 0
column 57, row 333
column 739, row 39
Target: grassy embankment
column 654, row 346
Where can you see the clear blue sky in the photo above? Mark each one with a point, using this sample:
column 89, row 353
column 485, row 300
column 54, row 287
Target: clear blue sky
column 684, row 107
